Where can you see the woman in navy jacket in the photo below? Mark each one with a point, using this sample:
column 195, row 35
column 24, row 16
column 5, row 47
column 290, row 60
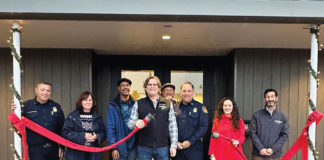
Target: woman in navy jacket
column 84, row 126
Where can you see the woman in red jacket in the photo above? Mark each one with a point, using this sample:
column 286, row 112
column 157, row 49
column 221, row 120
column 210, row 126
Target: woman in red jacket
column 231, row 130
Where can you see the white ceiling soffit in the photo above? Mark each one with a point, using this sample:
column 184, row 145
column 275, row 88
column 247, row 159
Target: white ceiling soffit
column 145, row 38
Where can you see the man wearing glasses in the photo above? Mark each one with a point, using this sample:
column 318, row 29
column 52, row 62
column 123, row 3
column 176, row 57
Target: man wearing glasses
column 153, row 140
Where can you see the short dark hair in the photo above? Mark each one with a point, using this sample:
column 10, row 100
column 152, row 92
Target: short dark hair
column 46, row 83
column 270, row 90
column 124, row 80
column 84, row 95
column 193, row 87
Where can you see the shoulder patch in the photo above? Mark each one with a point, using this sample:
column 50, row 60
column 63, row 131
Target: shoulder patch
column 204, row 109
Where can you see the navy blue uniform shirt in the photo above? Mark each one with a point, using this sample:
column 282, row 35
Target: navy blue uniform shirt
column 49, row 115
column 192, row 120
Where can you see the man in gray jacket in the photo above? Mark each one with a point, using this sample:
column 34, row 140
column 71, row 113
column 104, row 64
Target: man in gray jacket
column 269, row 129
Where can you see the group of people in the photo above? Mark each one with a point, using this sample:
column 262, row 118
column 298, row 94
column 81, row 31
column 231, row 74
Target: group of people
column 176, row 131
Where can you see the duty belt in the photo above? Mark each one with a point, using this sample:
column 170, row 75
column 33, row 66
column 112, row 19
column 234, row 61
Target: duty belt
column 46, row 145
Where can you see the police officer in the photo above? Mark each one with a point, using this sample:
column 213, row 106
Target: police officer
column 192, row 120
column 48, row 114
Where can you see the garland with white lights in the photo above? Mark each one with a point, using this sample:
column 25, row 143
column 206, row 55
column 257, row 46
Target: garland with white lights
column 314, row 30
column 12, row 86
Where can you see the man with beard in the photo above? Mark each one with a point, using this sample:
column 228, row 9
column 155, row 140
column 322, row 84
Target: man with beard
column 119, row 111
column 269, row 129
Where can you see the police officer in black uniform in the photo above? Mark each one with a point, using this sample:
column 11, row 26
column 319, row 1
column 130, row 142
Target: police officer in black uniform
column 48, row 114
column 192, row 120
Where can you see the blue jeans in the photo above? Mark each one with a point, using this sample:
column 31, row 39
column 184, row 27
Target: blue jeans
column 132, row 154
column 158, row 153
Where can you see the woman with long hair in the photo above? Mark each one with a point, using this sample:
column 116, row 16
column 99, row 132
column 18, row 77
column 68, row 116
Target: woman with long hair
column 228, row 132
column 84, row 126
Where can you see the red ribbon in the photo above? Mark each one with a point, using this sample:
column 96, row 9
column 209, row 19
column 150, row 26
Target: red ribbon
column 302, row 141
column 25, row 122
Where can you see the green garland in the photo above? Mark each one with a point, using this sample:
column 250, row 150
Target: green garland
column 13, row 88
column 15, row 151
column 314, row 30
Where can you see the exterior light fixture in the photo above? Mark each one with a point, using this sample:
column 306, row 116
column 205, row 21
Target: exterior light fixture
column 166, row 37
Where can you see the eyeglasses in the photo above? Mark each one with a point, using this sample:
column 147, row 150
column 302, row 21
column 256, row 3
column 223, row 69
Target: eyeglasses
column 152, row 84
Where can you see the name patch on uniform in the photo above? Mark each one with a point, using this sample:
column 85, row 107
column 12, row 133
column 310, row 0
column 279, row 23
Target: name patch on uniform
column 195, row 109
column 163, row 106
column 278, row 121
column 204, row 109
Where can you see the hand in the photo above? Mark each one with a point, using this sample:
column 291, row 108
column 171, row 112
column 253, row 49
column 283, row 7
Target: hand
column 212, row 157
column 94, row 136
column 173, row 152
column 235, row 142
column 61, row 153
column 13, row 105
column 186, row 144
column 263, row 152
column 88, row 137
column 269, row 151
column 179, row 145
column 115, row 154
column 140, row 124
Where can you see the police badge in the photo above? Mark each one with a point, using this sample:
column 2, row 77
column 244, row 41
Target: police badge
column 195, row 110
column 54, row 109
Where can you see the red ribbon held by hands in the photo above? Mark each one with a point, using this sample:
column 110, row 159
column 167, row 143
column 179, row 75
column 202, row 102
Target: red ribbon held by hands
column 217, row 135
column 25, row 122
column 302, row 141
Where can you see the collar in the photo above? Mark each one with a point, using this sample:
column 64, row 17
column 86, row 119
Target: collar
column 36, row 102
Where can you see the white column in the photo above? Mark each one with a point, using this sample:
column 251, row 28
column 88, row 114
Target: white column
column 313, row 90
column 17, row 83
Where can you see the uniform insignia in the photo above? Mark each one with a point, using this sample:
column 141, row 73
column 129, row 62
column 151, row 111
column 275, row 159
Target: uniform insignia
column 195, row 109
column 163, row 106
column 54, row 109
column 278, row 121
column 204, row 109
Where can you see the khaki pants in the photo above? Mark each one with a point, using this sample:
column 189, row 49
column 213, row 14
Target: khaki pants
column 262, row 158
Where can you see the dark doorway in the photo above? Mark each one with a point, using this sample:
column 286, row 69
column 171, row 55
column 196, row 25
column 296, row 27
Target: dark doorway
column 217, row 76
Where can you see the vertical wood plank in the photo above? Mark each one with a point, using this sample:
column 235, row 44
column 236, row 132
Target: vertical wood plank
column 3, row 100
column 284, row 90
column 75, row 78
column 28, row 75
column 303, row 92
column 57, row 77
column 239, row 66
column 66, row 84
column 320, row 106
column 9, row 136
column 85, row 61
column 248, row 86
column 293, row 100
column 37, row 68
column 257, row 82
column 276, row 73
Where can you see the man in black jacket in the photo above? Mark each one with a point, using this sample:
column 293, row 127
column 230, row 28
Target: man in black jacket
column 269, row 129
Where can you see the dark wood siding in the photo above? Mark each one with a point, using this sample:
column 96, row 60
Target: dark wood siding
column 68, row 70
column 286, row 71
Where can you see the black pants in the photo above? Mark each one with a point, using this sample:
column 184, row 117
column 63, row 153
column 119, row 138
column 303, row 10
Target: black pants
column 43, row 153
column 194, row 152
